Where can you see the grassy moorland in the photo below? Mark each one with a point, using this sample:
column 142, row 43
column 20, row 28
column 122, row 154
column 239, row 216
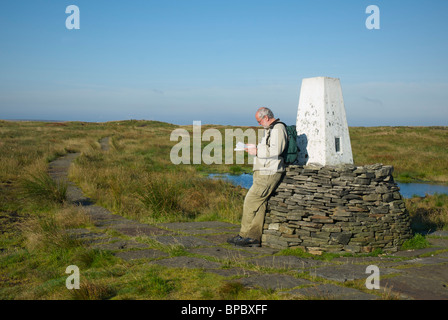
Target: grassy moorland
column 138, row 180
column 418, row 154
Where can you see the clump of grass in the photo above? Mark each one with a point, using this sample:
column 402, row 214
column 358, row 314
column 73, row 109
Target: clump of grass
column 73, row 217
column 92, row 258
column 417, row 242
column 231, row 290
column 42, row 233
column 150, row 284
column 161, row 195
column 40, row 187
column 236, row 169
column 92, row 290
column 428, row 213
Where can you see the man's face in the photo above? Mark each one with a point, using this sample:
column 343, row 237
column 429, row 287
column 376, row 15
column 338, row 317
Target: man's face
column 262, row 121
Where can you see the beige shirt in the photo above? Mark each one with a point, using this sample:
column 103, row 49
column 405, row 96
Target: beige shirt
column 268, row 160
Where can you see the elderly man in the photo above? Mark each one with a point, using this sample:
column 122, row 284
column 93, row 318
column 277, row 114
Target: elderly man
column 268, row 169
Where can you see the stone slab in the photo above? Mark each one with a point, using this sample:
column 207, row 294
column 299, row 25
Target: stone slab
column 139, row 230
column 118, row 245
column 330, row 292
column 348, row 272
column 258, row 250
column 76, row 197
column 141, row 254
column 217, row 239
column 187, row 262
column 439, row 233
column 285, row 262
column 424, row 283
column 84, row 234
column 428, row 260
column 201, row 227
column 185, row 241
column 99, row 213
column 273, row 281
column 366, row 260
column 223, row 253
column 438, row 242
column 233, row 272
column 416, row 252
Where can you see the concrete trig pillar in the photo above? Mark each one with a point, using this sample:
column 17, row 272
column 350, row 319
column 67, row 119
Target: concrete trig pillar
column 322, row 129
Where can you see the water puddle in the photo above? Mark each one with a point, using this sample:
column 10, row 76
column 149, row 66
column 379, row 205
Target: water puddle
column 407, row 190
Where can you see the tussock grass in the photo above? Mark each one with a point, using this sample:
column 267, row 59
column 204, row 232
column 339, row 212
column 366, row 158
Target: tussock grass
column 73, row 217
column 43, row 233
column 92, row 290
column 428, row 213
column 417, row 242
column 231, row 290
column 41, row 187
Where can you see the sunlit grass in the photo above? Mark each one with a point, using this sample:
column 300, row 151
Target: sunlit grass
column 417, row 153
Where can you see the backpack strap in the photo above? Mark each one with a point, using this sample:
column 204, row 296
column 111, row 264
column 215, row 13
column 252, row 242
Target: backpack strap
column 272, row 127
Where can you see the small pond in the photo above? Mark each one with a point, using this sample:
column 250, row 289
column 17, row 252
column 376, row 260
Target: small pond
column 407, row 190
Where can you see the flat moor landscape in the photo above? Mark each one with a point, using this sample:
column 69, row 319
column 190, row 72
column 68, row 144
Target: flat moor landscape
column 136, row 179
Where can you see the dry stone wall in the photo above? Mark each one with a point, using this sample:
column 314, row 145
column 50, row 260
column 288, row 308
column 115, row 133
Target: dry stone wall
column 337, row 209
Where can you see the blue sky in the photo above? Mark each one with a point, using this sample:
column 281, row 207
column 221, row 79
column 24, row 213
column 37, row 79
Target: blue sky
column 218, row 61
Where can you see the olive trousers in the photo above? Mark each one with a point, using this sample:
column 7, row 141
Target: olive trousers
column 255, row 204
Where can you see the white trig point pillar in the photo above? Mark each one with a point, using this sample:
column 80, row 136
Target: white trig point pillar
column 322, row 129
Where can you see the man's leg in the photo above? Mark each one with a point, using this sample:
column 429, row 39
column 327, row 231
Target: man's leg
column 255, row 204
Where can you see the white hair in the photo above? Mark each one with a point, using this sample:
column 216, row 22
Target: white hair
column 262, row 112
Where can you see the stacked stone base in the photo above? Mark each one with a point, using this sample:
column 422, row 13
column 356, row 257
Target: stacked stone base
column 337, row 209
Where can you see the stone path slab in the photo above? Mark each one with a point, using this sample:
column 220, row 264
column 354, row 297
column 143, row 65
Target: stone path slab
column 348, row 272
column 233, row 272
column 273, row 281
column 216, row 239
column 424, row 283
column 286, row 262
column 330, row 292
column 141, row 254
column 217, row 226
column 187, row 262
column 140, row 230
column 84, row 234
column 118, row 245
column 224, row 253
column 184, row 241
column 433, row 260
column 417, row 252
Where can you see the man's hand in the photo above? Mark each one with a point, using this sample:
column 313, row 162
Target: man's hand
column 251, row 149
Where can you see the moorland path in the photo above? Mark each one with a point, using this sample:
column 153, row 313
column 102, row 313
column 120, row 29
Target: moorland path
column 416, row 274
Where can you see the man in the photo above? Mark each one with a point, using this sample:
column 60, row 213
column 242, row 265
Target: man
column 268, row 169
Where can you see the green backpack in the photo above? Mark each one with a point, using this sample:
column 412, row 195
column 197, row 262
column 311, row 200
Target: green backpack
column 291, row 151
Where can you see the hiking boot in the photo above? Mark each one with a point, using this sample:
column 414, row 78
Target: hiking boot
column 233, row 240
column 248, row 242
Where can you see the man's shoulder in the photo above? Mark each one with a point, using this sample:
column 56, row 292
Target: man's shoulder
column 279, row 125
